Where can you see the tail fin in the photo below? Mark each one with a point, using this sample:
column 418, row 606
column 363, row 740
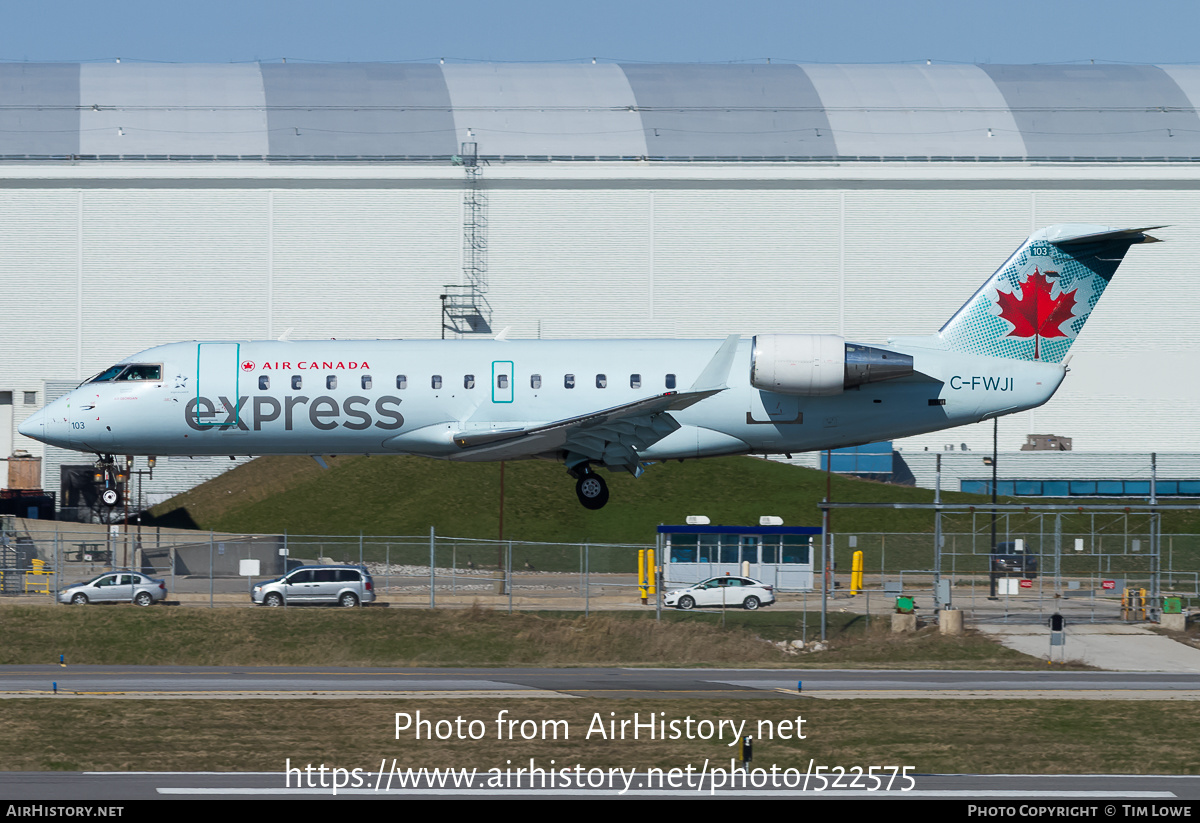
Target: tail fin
column 1033, row 307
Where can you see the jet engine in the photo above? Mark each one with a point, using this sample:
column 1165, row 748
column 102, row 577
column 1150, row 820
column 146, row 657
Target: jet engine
column 819, row 365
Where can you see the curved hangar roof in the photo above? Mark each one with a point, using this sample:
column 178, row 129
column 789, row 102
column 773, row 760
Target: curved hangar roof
column 278, row 111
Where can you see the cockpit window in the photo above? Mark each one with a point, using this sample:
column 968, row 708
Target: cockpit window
column 108, row 374
column 140, row 371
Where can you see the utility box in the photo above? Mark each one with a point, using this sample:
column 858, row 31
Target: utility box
column 1172, row 605
column 904, row 605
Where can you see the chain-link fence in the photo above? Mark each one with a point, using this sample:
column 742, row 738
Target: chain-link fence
column 1098, row 565
column 1036, row 564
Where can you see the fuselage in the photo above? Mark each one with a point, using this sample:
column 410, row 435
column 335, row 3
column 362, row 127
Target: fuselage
column 413, row 397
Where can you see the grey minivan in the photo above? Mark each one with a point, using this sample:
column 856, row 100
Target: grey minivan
column 345, row 585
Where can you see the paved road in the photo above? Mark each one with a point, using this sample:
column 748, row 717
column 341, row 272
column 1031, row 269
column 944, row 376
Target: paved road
column 1112, row 646
column 308, row 682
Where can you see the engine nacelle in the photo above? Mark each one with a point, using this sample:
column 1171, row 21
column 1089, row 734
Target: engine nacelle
column 820, row 365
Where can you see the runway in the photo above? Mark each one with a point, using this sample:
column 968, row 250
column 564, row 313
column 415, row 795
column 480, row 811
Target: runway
column 1161, row 791
column 241, row 682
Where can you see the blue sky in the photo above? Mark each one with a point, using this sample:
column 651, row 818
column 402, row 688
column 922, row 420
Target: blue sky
column 845, row 31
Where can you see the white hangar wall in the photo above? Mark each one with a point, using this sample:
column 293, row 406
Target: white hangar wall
column 100, row 260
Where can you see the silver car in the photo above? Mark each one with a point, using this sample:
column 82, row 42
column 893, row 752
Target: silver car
column 116, row 587
column 345, row 585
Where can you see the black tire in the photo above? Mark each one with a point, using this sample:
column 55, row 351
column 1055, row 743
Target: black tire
column 687, row 603
column 110, row 497
column 79, row 599
column 750, row 603
column 348, row 600
column 144, row 599
column 592, row 491
column 273, row 599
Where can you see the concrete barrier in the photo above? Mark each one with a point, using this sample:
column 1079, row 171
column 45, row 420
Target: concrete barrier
column 950, row 621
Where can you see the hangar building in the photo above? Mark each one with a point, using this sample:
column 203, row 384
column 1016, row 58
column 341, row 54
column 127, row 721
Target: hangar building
column 145, row 203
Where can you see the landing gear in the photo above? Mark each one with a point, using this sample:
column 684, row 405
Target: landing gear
column 591, row 489
column 110, row 480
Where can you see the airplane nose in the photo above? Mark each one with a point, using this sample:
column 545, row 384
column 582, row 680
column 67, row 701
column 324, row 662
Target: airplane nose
column 34, row 425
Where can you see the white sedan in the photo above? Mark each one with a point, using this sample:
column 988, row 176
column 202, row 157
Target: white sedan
column 727, row 591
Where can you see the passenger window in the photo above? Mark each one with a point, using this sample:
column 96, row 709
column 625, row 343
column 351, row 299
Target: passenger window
column 264, row 383
column 502, row 381
column 468, row 381
column 366, row 381
column 296, row 381
column 535, row 381
column 569, row 381
column 602, row 381
column 635, row 381
column 402, row 381
column 331, row 381
column 436, row 381
column 670, row 381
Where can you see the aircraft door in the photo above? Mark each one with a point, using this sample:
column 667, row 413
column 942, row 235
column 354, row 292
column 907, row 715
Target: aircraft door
column 218, row 372
column 770, row 407
column 502, row 381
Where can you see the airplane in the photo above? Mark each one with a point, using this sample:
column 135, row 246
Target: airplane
column 616, row 404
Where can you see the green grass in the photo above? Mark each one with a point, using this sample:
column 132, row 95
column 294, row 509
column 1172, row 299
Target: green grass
column 931, row 736
column 126, row 635
column 408, row 495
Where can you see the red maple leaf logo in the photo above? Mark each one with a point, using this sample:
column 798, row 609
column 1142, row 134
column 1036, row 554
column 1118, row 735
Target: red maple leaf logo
column 1035, row 313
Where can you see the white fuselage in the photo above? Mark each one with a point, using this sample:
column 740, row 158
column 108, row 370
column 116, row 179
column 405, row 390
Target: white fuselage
column 413, row 397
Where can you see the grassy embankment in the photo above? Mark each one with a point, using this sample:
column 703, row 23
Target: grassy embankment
column 408, row 495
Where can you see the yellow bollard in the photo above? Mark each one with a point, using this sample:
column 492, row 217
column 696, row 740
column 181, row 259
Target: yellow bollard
column 856, row 573
column 651, row 573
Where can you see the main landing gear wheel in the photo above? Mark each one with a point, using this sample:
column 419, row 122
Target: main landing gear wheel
column 111, row 497
column 592, row 491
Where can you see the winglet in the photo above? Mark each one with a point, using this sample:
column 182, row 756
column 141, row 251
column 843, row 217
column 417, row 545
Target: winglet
column 716, row 373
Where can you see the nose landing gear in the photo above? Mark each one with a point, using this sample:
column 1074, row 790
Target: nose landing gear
column 110, row 478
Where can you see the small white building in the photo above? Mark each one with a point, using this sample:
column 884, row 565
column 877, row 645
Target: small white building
column 780, row 556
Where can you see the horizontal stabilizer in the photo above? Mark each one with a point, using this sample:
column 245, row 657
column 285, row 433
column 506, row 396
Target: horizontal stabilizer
column 1130, row 235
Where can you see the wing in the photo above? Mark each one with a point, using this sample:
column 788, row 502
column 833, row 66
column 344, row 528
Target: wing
column 612, row 436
